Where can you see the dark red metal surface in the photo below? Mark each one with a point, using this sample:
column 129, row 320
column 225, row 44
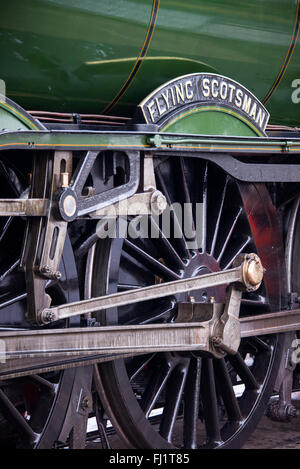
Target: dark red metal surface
column 266, row 231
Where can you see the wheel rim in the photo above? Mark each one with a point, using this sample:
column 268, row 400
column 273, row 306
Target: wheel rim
column 185, row 400
column 32, row 408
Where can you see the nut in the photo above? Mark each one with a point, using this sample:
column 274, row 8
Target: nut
column 47, row 272
column 158, row 202
column 48, row 316
column 85, row 403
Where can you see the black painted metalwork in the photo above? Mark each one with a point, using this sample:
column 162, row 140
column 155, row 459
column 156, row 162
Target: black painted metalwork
column 31, row 408
column 198, row 401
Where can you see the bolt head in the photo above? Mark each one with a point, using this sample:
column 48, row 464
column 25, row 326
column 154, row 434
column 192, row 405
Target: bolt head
column 291, row 411
column 57, row 275
column 45, row 269
column 48, row 316
column 86, row 403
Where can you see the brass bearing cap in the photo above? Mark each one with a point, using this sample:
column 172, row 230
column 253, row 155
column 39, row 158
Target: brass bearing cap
column 66, row 204
column 252, row 272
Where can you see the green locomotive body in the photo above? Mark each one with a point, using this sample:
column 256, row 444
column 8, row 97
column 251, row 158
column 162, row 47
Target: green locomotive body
column 105, row 57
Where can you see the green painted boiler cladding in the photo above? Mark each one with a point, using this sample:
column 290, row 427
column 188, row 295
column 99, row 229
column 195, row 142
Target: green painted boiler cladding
column 105, row 56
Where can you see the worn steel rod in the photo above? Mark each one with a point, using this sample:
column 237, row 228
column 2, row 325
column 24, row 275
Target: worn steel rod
column 272, row 323
column 25, row 351
column 106, row 339
column 24, row 207
column 134, row 338
column 27, row 366
column 141, row 294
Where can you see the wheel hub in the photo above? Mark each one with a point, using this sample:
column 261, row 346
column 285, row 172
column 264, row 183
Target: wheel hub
column 201, row 264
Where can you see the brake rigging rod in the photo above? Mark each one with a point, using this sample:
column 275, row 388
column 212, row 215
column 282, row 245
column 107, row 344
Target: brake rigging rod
column 248, row 273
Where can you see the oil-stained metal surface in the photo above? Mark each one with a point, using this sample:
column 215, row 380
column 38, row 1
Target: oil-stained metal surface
column 24, row 207
column 106, row 339
column 282, row 321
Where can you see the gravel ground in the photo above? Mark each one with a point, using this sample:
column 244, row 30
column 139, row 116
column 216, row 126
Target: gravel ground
column 276, row 435
column 268, row 435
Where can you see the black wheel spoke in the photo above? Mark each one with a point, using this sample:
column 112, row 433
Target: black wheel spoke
column 261, row 302
column 185, row 189
column 9, row 270
column 155, row 387
column 142, row 239
column 128, row 259
column 204, row 210
column 226, row 390
column 11, row 178
column 125, row 287
column 240, row 249
column 39, row 380
column 191, row 404
column 15, row 415
column 243, row 371
column 187, row 206
column 169, row 253
column 229, row 233
column 260, row 344
column 152, row 264
column 137, row 364
column 210, row 403
column 20, row 297
column 180, row 240
column 163, row 312
column 6, row 227
column 174, row 392
column 220, row 211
